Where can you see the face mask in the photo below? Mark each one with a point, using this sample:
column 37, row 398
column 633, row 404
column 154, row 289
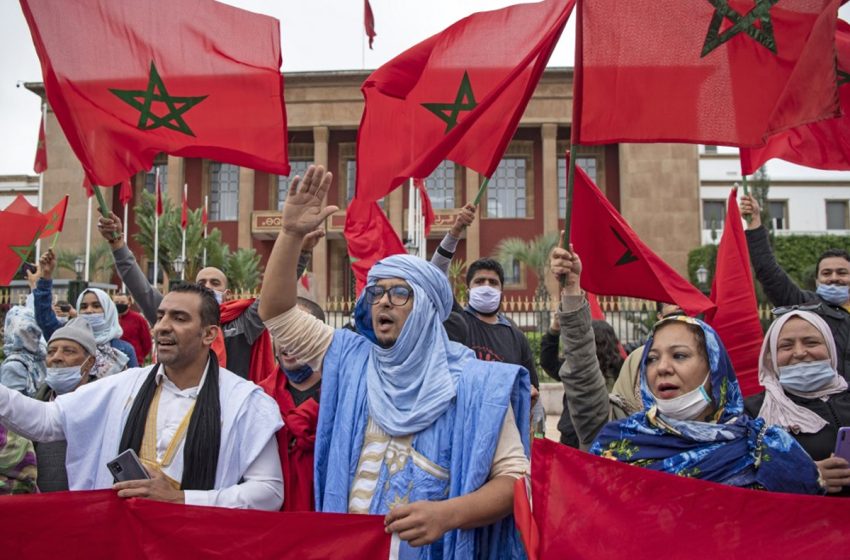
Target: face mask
column 298, row 375
column 485, row 299
column 806, row 377
column 96, row 320
column 219, row 296
column 62, row 320
column 64, row 379
column 833, row 293
column 687, row 406
column 121, row 308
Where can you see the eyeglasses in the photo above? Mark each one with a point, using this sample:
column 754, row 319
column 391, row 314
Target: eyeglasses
column 777, row 311
column 399, row 295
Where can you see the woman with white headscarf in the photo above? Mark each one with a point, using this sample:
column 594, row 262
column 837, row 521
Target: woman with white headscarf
column 804, row 392
column 96, row 307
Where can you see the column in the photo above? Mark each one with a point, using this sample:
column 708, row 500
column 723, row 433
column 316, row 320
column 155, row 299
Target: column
column 246, row 206
column 473, row 232
column 321, row 134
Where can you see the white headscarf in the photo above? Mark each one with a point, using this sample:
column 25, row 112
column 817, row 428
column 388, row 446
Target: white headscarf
column 108, row 360
column 777, row 407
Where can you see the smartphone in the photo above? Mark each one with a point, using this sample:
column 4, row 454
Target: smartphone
column 842, row 443
column 127, row 467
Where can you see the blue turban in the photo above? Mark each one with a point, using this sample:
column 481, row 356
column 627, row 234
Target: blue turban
column 413, row 382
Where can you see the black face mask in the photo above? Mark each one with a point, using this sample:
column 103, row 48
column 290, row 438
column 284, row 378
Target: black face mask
column 122, row 308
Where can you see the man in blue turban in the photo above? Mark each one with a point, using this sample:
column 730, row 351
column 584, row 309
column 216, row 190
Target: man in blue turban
column 411, row 425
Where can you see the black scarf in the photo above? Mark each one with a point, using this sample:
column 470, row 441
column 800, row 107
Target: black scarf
column 203, row 438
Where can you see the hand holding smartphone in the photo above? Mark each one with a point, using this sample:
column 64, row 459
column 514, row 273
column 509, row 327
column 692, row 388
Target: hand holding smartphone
column 127, row 466
column 842, row 444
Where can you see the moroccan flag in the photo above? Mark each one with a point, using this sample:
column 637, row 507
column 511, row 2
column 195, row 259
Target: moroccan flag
column 18, row 234
column 736, row 317
column 40, row 165
column 184, row 208
column 427, row 208
column 590, row 507
column 369, row 22
column 190, row 78
column 87, row 186
column 158, row 187
column 614, row 259
column 125, row 195
column 98, row 525
column 457, row 95
column 728, row 72
column 370, row 238
column 55, row 218
column 824, row 144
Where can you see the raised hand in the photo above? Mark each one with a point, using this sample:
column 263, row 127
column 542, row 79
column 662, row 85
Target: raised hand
column 463, row 220
column 750, row 207
column 304, row 211
column 312, row 239
column 111, row 229
column 567, row 265
column 47, row 264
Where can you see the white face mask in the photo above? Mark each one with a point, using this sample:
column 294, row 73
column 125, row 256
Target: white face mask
column 64, row 379
column 485, row 299
column 96, row 320
column 687, row 406
column 219, row 296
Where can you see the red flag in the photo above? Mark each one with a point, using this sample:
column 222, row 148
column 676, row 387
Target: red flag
column 702, row 72
column 427, row 209
column 370, row 238
column 736, row 317
column 590, row 507
column 158, row 187
column 595, row 309
column 100, row 525
column 193, row 79
column 55, row 218
column 457, row 95
column 825, row 144
column 184, row 209
column 87, row 186
column 614, row 259
column 369, row 22
column 125, row 195
column 204, row 218
column 18, row 234
column 40, row 165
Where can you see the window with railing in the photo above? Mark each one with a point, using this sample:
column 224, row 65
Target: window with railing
column 836, row 214
column 224, row 192
column 590, row 165
column 778, row 212
column 441, row 186
column 298, row 169
column 713, row 214
column 150, row 176
column 507, row 189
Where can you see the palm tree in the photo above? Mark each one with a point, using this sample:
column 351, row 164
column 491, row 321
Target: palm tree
column 243, row 270
column 534, row 254
column 100, row 262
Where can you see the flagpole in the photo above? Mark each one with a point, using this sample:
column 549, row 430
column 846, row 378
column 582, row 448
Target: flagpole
column 481, row 190
column 571, row 177
column 420, row 221
column 156, row 234
column 41, row 180
column 185, row 227
column 88, row 237
column 410, row 215
column 206, row 213
column 126, row 206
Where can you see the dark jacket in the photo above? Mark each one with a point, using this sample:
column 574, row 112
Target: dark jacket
column 781, row 290
column 551, row 364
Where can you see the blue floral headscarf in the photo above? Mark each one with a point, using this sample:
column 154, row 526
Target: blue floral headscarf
column 730, row 448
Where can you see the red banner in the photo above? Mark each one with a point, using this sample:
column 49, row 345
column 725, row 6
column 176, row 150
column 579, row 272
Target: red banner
column 93, row 525
column 589, row 507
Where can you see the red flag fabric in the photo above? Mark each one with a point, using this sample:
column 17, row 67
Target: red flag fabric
column 125, row 195
column 369, row 22
column 427, row 208
column 40, row 165
column 56, row 218
column 824, row 144
column 590, row 507
column 18, row 234
column 457, row 95
column 204, row 218
column 595, row 309
column 87, row 186
column 370, row 238
column 736, row 317
column 720, row 72
column 184, row 208
column 158, row 187
column 614, row 259
column 263, row 363
column 193, row 79
column 100, row 525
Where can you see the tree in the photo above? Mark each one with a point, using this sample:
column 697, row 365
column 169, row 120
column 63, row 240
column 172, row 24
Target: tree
column 243, row 270
column 456, row 274
column 100, row 262
column 759, row 186
column 534, row 254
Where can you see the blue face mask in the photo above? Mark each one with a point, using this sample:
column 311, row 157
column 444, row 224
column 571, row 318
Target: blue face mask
column 97, row 321
column 64, row 379
column 298, row 375
column 806, row 377
column 834, row 293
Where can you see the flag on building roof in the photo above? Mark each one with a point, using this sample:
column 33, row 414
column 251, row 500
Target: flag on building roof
column 158, row 188
column 707, row 72
column 614, row 259
column 193, row 79
column 369, row 22
column 427, row 207
column 40, row 165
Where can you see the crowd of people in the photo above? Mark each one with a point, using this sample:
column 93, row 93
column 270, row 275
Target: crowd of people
column 421, row 410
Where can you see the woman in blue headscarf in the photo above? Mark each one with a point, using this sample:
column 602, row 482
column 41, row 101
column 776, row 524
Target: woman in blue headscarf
column 24, row 349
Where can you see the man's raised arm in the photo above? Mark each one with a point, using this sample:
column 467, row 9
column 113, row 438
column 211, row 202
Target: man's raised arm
column 302, row 213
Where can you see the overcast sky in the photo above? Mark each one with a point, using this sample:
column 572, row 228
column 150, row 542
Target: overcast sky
column 399, row 25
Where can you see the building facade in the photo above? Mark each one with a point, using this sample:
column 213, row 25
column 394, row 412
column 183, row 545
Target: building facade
column 655, row 186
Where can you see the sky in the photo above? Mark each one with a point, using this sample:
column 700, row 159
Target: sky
column 315, row 35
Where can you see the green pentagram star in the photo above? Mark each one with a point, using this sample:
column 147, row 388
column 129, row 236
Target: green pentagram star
column 144, row 99
column 449, row 112
column 740, row 24
column 843, row 78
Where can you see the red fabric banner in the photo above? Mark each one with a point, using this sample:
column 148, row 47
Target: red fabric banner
column 726, row 72
column 370, row 238
column 458, row 95
column 427, row 208
column 824, row 144
column 18, row 234
column 40, row 165
column 184, row 208
column 736, row 317
column 125, row 195
column 158, row 187
column 369, row 22
column 589, row 507
column 87, row 186
column 55, row 218
column 95, row 525
column 191, row 78
column 614, row 259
